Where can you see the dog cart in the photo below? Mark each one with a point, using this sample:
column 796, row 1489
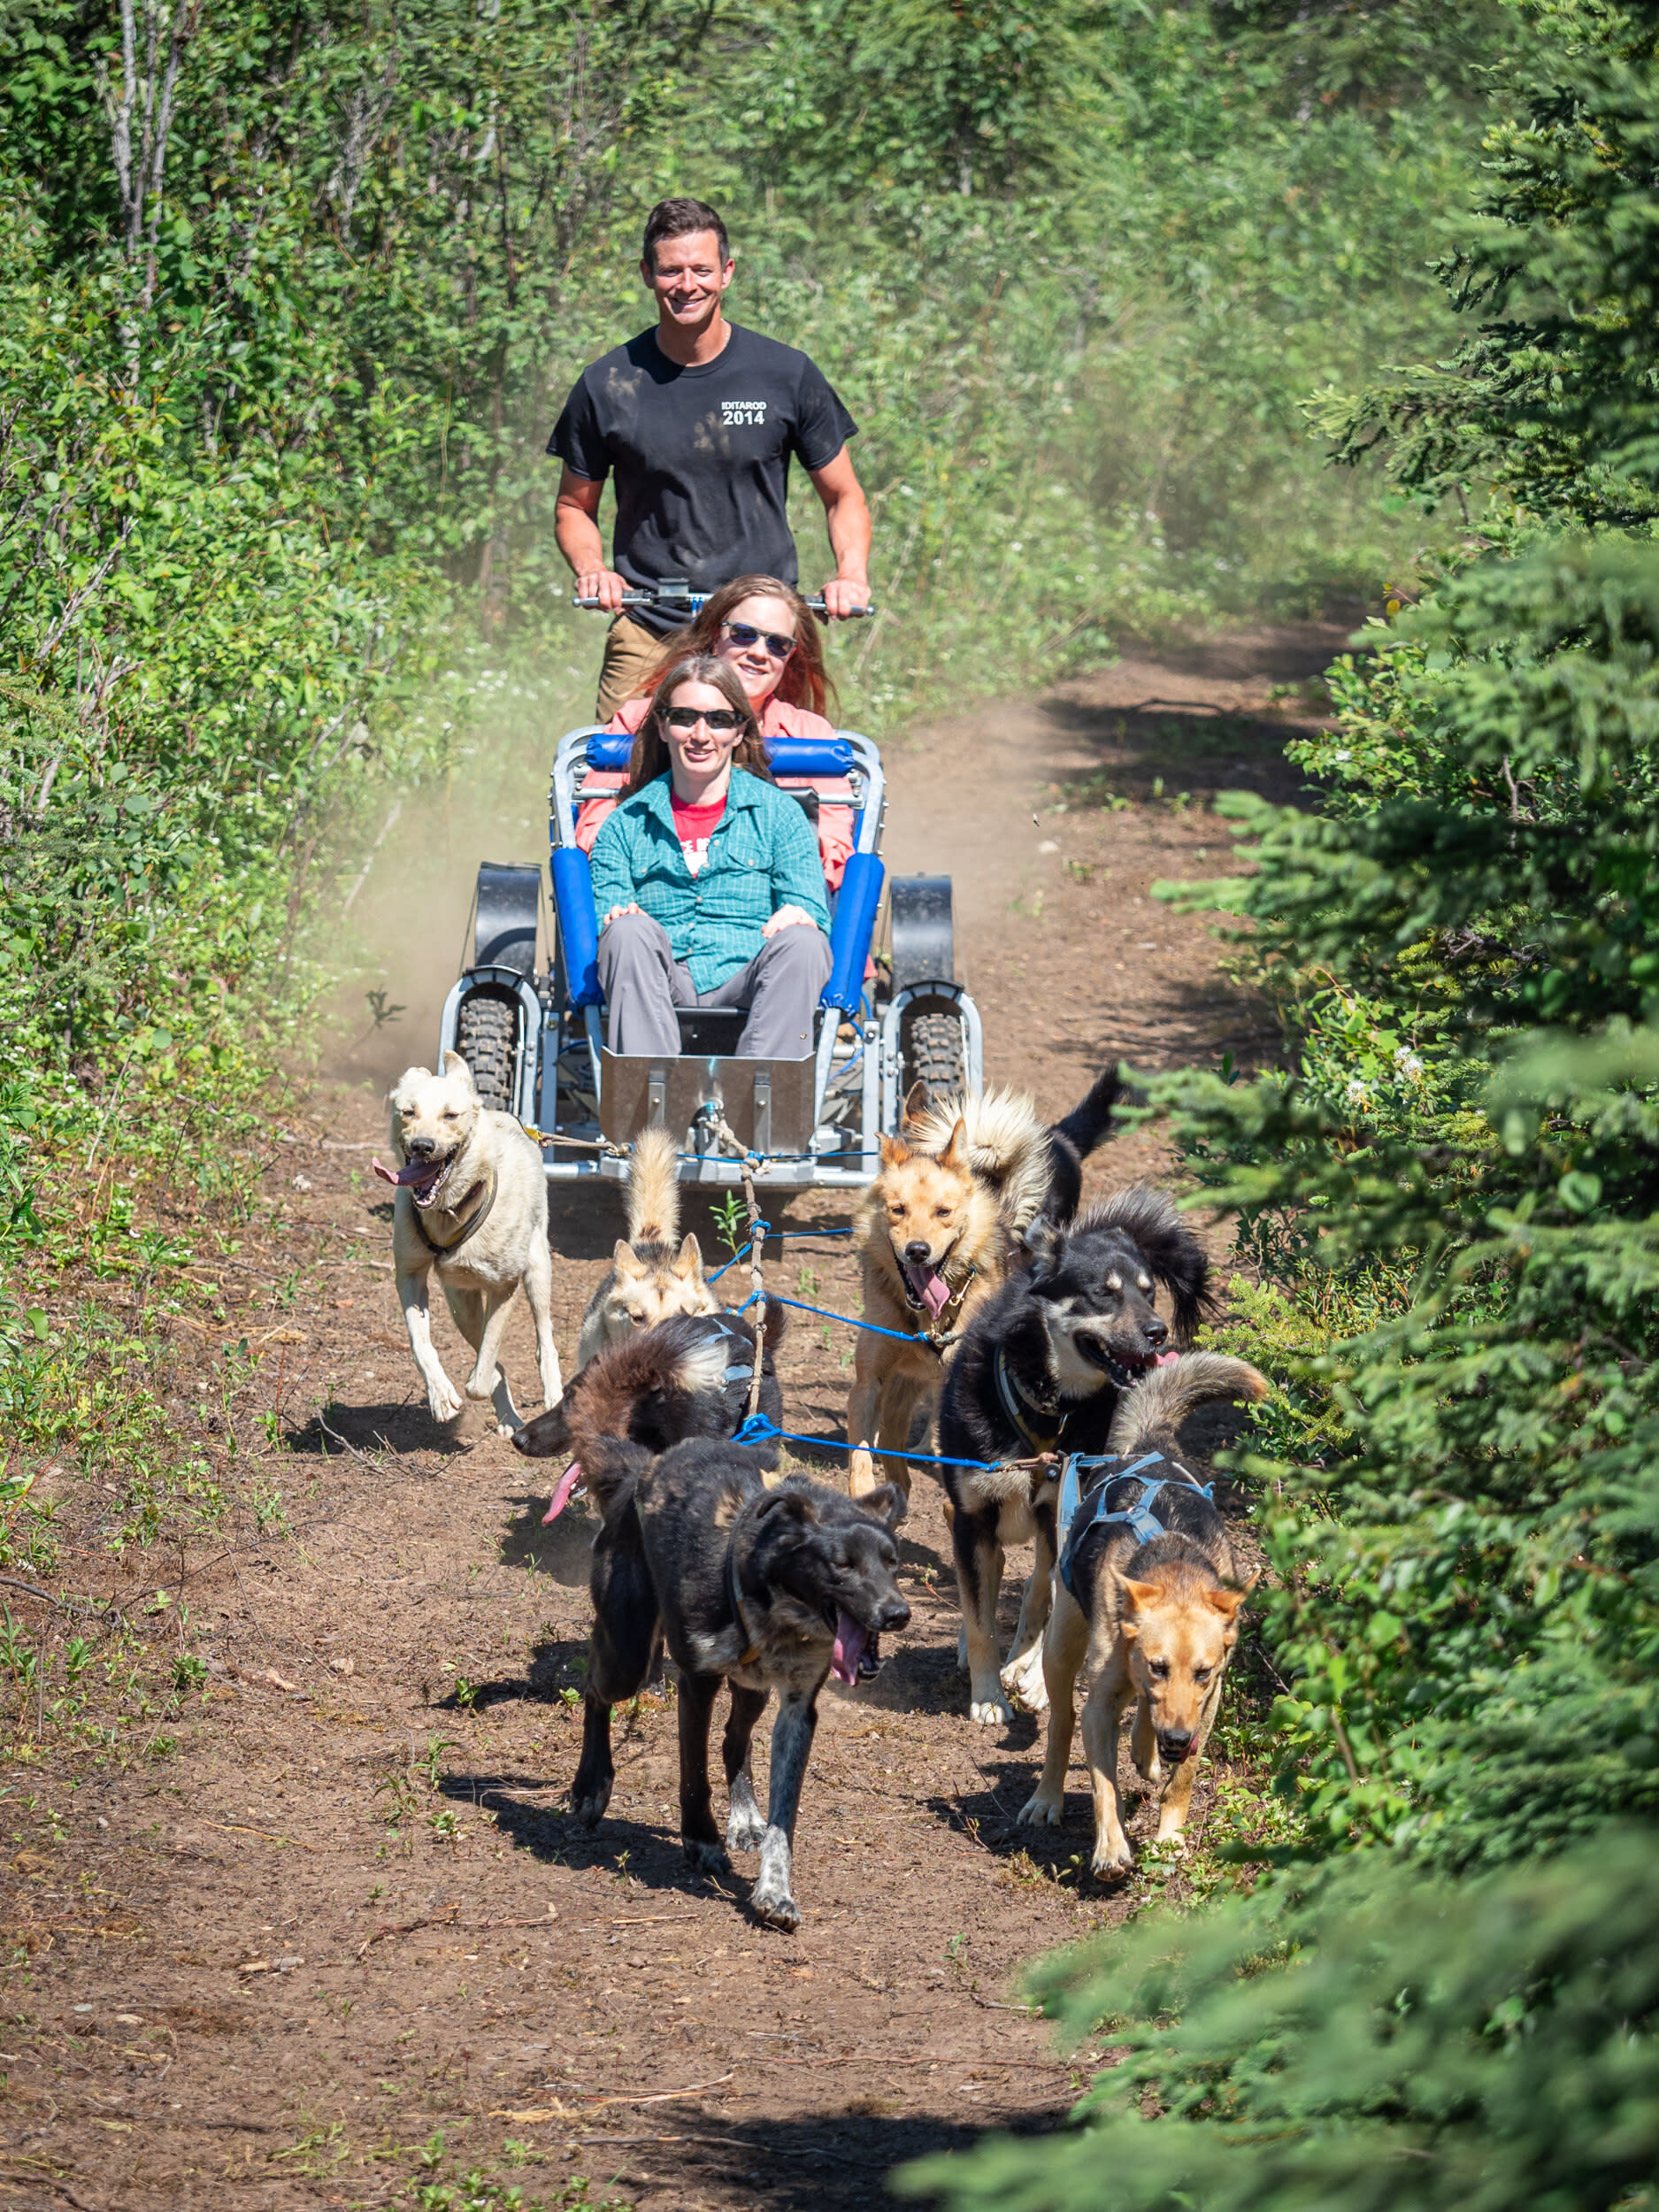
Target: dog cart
column 533, row 1035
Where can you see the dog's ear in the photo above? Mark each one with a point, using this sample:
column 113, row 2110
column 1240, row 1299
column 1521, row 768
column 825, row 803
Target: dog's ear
column 689, row 1261
column 624, row 1261
column 395, row 1097
column 1044, row 1242
column 916, row 1103
column 893, row 1152
column 887, row 1501
column 954, row 1155
column 454, row 1066
column 1139, row 1595
column 1226, row 1603
column 788, row 1514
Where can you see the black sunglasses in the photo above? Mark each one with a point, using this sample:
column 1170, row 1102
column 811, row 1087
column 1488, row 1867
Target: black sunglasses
column 688, row 717
column 745, row 633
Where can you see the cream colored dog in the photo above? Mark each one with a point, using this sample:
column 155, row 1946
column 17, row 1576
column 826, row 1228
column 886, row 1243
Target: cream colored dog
column 471, row 1203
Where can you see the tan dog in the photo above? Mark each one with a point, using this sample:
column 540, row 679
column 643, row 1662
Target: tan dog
column 936, row 1230
column 649, row 1281
column 1153, row 1607
column 471, row 1205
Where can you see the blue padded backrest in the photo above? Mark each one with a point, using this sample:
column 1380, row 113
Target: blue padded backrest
column 789, row 756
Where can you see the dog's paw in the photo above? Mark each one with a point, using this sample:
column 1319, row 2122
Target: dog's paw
column 1172, row 1827
column 1022, row 1678
column 775, row 1906
column 1152, row 1772
column 589, row 1804
column 443, row 1400
column 706, row 1858
column 744, row 1830
column 992, row 1711
column 1042, row 1811
column 1111, row 1861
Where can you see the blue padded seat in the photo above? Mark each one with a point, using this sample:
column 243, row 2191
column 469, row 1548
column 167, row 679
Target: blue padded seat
column 789, row 756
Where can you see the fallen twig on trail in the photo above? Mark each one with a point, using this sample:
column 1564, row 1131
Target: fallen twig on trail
column 63, row 1605
column 235, row 1828
column 445, row 1919
column 666, row 2096
column 1026, row 2012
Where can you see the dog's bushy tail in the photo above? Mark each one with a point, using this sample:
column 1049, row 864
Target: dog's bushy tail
column 1073, row 1140
column 653, row 1199
column 1007, row 1146
column 1156, row 1408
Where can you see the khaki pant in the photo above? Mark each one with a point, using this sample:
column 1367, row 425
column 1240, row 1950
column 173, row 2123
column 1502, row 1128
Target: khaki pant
column 644, row 983
column 631, row 652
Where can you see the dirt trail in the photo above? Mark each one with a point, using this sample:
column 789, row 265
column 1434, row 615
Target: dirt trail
column 349, row 1911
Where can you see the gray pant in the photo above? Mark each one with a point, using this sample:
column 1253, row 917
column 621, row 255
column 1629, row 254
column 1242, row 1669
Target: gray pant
column 644, row 983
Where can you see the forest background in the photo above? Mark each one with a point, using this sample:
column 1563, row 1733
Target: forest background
column 290, row 302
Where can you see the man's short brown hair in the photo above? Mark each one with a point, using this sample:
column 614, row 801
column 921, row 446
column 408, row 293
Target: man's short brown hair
column 679, row 219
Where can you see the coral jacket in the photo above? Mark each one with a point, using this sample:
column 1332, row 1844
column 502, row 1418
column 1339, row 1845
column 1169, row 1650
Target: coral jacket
column 778, row 719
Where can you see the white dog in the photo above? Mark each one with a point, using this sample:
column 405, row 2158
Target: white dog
column 471, row 1203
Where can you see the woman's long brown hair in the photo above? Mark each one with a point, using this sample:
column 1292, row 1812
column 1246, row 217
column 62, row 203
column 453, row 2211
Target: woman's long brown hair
column 650, row 758
column 804, row 681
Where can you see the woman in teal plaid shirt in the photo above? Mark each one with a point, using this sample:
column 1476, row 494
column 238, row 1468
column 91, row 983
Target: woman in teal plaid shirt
column 707, row 879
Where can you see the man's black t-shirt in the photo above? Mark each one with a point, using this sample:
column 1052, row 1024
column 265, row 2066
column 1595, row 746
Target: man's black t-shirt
column 701, row 456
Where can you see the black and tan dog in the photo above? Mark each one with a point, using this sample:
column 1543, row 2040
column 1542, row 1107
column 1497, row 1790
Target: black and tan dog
column 688, row 1377
column 1149, row 1594
column 1039, row 1371
column 772, row 1589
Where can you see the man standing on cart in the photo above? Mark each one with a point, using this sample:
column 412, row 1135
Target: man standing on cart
column 698, row 419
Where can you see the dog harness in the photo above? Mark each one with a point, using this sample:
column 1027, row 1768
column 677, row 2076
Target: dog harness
column 475, row 1223
column 1020, row 1406
column 1081, row 1512
column 751, row 1649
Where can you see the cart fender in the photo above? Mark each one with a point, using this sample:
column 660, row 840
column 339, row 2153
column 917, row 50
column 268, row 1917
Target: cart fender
column 923, row 947
column 508, row 906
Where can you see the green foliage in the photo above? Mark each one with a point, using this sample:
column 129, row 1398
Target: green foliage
column 1553, row 398
column 1449, row 1206
column 1386, row 2040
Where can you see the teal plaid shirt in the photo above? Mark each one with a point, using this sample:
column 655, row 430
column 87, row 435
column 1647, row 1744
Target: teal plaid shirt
column 762, row 854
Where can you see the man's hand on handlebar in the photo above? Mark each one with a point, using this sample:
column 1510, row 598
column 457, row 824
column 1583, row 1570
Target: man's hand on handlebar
column 787, row 918
column 845, row 596
column 603, row 585
column 632, row 907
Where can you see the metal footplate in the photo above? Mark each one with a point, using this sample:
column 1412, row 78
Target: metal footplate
column 767, row 1104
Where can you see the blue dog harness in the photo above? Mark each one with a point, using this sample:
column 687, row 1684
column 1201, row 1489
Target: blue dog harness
column 1078, row 1512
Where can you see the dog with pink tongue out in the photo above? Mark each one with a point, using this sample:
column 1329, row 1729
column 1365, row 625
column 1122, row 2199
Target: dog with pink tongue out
column 470, row 1209
column 769, row 1589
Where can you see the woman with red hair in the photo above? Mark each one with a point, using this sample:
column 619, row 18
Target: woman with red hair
column 766, row 634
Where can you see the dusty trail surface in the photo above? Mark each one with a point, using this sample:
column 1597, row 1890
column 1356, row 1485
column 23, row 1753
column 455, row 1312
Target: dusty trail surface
column 350, row 1911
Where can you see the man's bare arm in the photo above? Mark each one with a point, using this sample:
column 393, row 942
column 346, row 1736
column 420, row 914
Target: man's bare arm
column 847, row 517
column 576, row 528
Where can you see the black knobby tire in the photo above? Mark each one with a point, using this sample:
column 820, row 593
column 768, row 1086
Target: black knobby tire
column 485, row 1032
column 932, row 1053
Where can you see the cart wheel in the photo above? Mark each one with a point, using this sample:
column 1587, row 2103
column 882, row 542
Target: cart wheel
column 932, row 1053
column 485, row 1032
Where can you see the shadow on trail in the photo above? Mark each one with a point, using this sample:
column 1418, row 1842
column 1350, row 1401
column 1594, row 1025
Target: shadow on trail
column 831, row 2164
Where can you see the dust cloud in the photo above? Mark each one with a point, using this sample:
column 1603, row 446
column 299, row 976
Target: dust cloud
column 405, row 908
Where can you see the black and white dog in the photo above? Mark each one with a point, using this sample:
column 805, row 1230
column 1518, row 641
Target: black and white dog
column 772, row 1589
column 1040, row 1371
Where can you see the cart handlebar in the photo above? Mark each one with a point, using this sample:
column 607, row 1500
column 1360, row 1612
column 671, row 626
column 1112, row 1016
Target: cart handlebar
column 673, row 595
